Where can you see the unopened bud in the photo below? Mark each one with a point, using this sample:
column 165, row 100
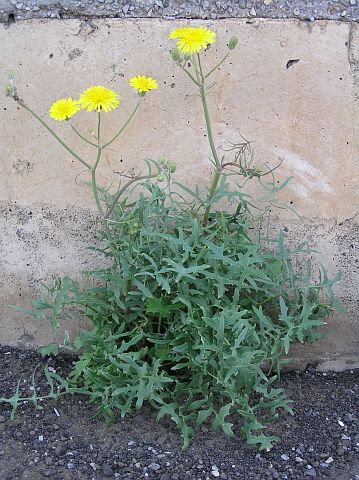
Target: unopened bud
column 161, row 161
column 172, row 167
column 160, row 178
column 187, row 56
column 232, row 42
column 175, row 54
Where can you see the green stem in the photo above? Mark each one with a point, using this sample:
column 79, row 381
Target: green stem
column 55, row 135
column 209, row 126
column 218, row 170
column 217, row 66
column 124, row 126
column 83, row 138
column 190, row 76
column 200, row 67
column 93, row 169
column 159, row 324
column 121, row 191
column 212, row 191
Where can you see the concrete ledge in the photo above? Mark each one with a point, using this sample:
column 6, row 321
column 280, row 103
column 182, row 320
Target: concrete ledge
column 306, row 111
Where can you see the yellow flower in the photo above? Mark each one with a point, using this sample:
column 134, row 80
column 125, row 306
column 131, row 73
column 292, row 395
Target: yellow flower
column 143, row 84
column 192, row 39
column 63, row 109
column 98, row 98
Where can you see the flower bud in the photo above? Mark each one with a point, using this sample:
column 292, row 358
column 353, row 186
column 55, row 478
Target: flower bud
column 161, row 161
column 232, row 42
column 10, row 89
column 187, row 56
column 160, row 178
column 172, row 167
column 175, row 54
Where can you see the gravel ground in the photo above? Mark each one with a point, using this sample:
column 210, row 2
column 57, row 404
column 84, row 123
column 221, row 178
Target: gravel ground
column 346, row 10
column 62, row 442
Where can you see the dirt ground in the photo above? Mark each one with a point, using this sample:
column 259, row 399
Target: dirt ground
column 63, row 442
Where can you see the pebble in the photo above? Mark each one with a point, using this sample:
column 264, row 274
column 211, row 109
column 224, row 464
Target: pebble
column 284, row 457
column 107, row 470
column 2, row 419
column 311, row 473
column 60, row 450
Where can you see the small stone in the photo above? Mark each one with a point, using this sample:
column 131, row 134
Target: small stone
column 340, row 450
column 125, row 9
column 267, row 2
column 2, row 419
column 60, row 450
column 311, row 473
column 344, row 12
column 341, row 423
column 353, row 2
column 253, row 12
column 329, row 460
column 296, row 11
column 284, row 457
column 298, row 459
column 215, row 473
column 107, row 470
column 154, row 466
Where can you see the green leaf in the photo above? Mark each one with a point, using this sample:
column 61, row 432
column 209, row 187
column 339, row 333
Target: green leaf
column 46, row 350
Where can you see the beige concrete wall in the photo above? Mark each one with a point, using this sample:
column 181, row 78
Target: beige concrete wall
column 307, row 113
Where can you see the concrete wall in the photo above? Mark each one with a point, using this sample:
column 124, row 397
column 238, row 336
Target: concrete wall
column 307, row 113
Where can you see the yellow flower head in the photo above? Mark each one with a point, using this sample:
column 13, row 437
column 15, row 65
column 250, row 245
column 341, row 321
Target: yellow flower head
column 98, row 98
column 63, row 109
column 143, row 84
column 192, row 39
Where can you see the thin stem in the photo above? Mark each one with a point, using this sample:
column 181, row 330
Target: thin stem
column 159, row 324
column 190, row 76
column 212, row 191
column 217, row 66
column 124, row 126
column 200, row 67
column 209, row 126
column 93, row 169
column 218, row 170
column 122, row 190
column 55, row 135
column 81, row 136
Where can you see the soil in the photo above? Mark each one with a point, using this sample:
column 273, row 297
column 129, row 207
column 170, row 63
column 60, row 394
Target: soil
column 64, row 442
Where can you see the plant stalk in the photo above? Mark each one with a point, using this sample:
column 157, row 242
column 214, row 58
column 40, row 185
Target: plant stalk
column 54, row 134
column 123, row 127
